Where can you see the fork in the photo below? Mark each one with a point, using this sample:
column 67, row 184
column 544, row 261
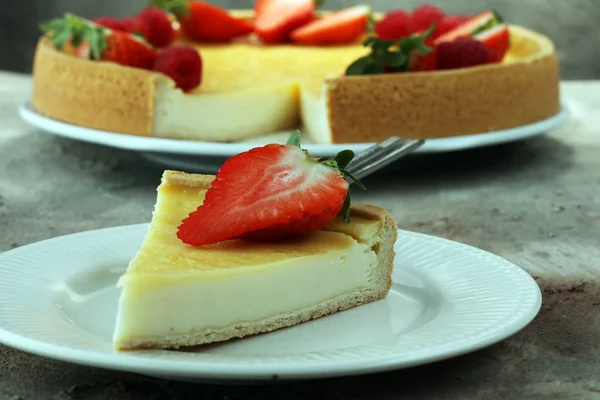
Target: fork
column 381, row 154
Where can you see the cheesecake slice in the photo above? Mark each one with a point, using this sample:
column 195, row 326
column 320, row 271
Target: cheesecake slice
column 176, row 295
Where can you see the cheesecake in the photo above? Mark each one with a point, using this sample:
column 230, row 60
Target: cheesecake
column 175, row 295
column 250, row 89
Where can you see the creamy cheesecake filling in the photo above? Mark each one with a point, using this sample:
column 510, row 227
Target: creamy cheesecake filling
column 315, row 119
column 173, row 290
column 157, row 306
column 225, row 117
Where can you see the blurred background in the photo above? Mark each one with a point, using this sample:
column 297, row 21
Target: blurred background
column 572, row 24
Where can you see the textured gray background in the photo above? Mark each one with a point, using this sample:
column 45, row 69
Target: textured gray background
column 572, row 24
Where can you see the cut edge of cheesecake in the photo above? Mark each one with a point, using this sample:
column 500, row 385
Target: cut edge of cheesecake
column 451, row 103
column 378, row 289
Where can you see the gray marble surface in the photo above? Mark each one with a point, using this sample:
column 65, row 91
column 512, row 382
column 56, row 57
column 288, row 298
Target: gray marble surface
column 534, row 202
column 572, row 24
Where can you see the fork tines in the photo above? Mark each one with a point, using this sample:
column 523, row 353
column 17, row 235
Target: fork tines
column 381, row 154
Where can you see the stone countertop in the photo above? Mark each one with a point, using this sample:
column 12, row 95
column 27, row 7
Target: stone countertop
column 535, row 202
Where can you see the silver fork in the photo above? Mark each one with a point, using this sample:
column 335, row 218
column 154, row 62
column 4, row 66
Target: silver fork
column 381, row 154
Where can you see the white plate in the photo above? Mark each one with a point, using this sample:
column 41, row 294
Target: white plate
column 58, row 299
column 170, row 148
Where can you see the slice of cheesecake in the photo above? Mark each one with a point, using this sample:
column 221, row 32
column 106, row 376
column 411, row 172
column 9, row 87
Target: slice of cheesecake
column 176, row 295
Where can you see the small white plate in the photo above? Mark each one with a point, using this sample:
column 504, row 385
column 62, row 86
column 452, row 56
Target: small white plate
column 207, row 156
column 58, row 299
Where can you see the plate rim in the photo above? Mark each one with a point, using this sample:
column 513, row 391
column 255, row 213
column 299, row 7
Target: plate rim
column 226, row 370
column 221, row 149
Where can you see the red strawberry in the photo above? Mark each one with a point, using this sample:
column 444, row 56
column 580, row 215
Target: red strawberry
column 113, row 23
column 269, row 193
column 207, row 22
column 393, row 26
column 133, row 25
column 342, row 26
column 277, row 18
column 95, row 42
column 450, row 22
column 480, row 22
column 183, row 64
column 424, row 16
column 463, row 53
column 425, row 62
column 157, row 27
column 497, row 39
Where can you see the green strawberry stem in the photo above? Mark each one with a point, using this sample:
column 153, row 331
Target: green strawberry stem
column 338, row 163
column 390, row 55
column 76, row 30
column 179, row 8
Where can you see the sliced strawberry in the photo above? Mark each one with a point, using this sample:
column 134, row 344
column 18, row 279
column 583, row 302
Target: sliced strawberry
column 497, row 39
column 259, row 5
column 277, row 18
column 462, row 53
column 98, row 43
column 269, row 193
column 183, row 64
column 157, row 27
column 205, row 22
column 450, row 22
column 479, row 23
column 424, row 17
column 393, row 26
column 343, row 26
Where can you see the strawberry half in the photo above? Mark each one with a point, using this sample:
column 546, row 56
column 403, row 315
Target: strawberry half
column 95, row 42
column 204, row 22
column 270, row 193
column 276, row 19
column 497, row 39
column 479, row 23
column 343, row 26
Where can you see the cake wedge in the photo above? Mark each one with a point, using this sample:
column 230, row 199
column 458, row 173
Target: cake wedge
column 176, row 295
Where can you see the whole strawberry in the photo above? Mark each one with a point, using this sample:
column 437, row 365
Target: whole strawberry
column 157, row 27
column 96, row 42
column 113, row 23
column 270, row 193
column 182, row 64
column 424, row 17
column 463, row 53
column 393, row 26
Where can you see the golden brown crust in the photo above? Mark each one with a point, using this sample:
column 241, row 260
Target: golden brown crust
column 449, row 103
column 99, row 95
column 380, row 285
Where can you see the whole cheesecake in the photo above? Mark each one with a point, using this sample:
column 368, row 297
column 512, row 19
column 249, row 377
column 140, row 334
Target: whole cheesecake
column 250, row 89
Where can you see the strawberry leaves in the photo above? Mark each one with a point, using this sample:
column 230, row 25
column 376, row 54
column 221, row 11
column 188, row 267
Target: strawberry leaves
column 75, row 30
column 390, row 55
column 179, row 8
column 339, row 163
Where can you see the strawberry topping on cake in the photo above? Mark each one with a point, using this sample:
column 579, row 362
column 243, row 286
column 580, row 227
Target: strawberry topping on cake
column 271, row 193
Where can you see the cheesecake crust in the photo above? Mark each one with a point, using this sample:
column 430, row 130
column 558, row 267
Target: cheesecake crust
column 379, row 288
column 95, row 94
column 449, row 103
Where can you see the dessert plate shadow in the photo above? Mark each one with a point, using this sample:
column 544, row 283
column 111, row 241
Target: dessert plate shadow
column 58, row 298
column 195, row 156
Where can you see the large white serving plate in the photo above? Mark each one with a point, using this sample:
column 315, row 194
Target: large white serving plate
column 58, row 298
column 207, row 156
